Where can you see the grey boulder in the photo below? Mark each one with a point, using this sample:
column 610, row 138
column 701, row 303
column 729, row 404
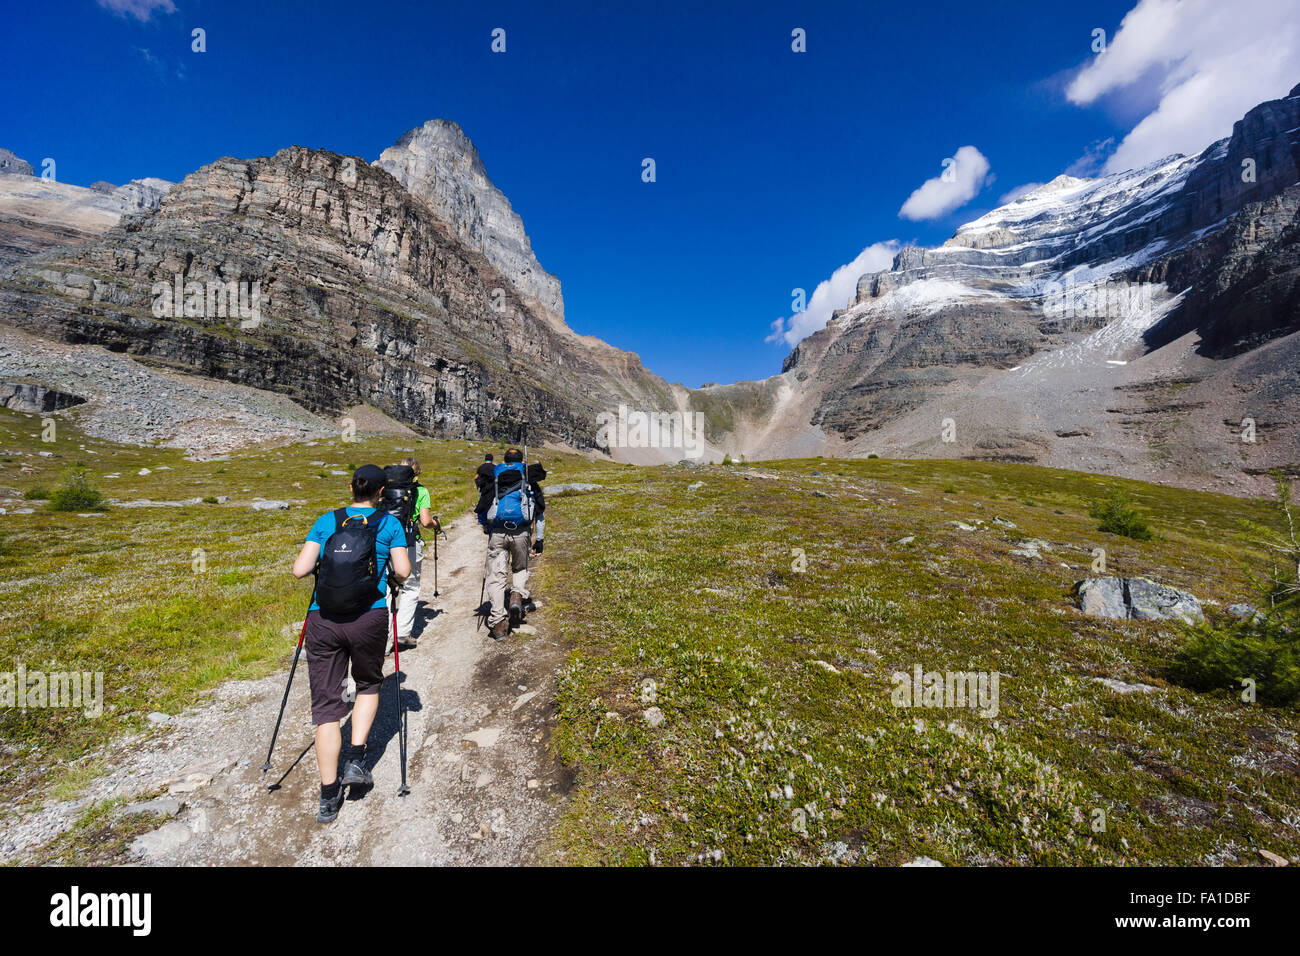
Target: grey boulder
column 1244, row 612
column 270, row 505
column 577, row 488
column 1137, row 599
column 1103, row 597
column 1149, row 601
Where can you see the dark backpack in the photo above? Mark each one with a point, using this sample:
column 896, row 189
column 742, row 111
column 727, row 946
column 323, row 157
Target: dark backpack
column 400, row 490
column 347, row 574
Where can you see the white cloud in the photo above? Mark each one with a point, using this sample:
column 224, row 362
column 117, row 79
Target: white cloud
column 142, row 10
column 1016, row 193
column 963, row 177
column 833, row 293
column 1211, row 62
column 1093, row 159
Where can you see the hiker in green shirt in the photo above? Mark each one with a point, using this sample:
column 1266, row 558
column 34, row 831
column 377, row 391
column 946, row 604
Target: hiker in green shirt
column 410, row 591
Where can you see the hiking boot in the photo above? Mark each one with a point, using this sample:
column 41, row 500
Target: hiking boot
column 516, row 609
column 405, row 641
column 329, row 809
column 500, row 629
column 356, row 775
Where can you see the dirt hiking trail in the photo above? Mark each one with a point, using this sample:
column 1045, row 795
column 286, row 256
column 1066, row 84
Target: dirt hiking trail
column 483, row 788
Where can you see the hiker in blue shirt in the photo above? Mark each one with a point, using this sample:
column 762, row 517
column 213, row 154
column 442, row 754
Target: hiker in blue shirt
column 352, row 551
column 511, row 509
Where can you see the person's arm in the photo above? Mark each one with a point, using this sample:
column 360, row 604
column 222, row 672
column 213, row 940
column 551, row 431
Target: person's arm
column 305, row 563
column 539, row 524
column 399, row 554
column 399, row 562
column 424, row 510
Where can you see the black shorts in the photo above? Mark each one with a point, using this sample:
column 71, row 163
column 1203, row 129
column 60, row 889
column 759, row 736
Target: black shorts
column 330, row 644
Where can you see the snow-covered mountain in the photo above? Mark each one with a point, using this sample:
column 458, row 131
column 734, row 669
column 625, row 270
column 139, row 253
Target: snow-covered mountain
column 1127, row 323
column 1139, row 324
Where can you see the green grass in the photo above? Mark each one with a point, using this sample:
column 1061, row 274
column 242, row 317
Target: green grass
column 101, row 836
column 165, row 602
column 73, row 779
column 769, row 619
column 699, row 593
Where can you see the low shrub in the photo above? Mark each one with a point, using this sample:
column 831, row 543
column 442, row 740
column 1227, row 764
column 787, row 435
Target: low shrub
column 1118, row 515
column 77, row 493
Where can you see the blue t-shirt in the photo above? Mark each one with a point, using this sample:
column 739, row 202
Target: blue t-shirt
column 390, row 535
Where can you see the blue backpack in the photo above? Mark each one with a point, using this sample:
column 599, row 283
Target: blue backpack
column 512, row 499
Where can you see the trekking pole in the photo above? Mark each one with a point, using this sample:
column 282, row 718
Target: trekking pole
column 296, row 652
column 526, row 490
column 436, row 528
column 481, row 591
column 403, row 790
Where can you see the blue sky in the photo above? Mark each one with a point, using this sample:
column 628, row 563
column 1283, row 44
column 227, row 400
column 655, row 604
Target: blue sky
column 773, row 167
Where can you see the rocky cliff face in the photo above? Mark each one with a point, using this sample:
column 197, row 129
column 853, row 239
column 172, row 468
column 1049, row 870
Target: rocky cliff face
column 38, row 214
column 139, row 195
column 12, row 165
column 365, row 296
column 1131, row 324
column 438, row 164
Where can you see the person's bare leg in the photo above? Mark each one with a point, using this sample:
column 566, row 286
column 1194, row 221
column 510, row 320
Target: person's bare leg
column 363, row 716
column 329, row 741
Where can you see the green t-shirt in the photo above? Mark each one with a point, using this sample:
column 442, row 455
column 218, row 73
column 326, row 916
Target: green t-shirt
column 422, row 501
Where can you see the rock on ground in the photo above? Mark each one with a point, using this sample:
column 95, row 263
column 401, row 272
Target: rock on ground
column 574, row 488
column 1138, row 599
column 162, row 841
column 1120, row 687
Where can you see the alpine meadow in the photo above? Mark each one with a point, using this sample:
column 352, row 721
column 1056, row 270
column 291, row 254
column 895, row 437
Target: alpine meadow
column 893, row 465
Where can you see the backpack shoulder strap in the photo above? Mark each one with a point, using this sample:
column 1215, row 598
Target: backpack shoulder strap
column 340, row 516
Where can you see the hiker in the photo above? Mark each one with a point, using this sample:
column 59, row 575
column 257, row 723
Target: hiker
column 509, row 507
column 352, row 551
column 408, row 501
column 483, row 476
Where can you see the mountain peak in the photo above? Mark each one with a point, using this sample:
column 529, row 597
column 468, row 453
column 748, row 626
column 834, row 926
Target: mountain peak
column 1060, row 182
column 13, row 165
column 440, row 133
column 439, row 164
